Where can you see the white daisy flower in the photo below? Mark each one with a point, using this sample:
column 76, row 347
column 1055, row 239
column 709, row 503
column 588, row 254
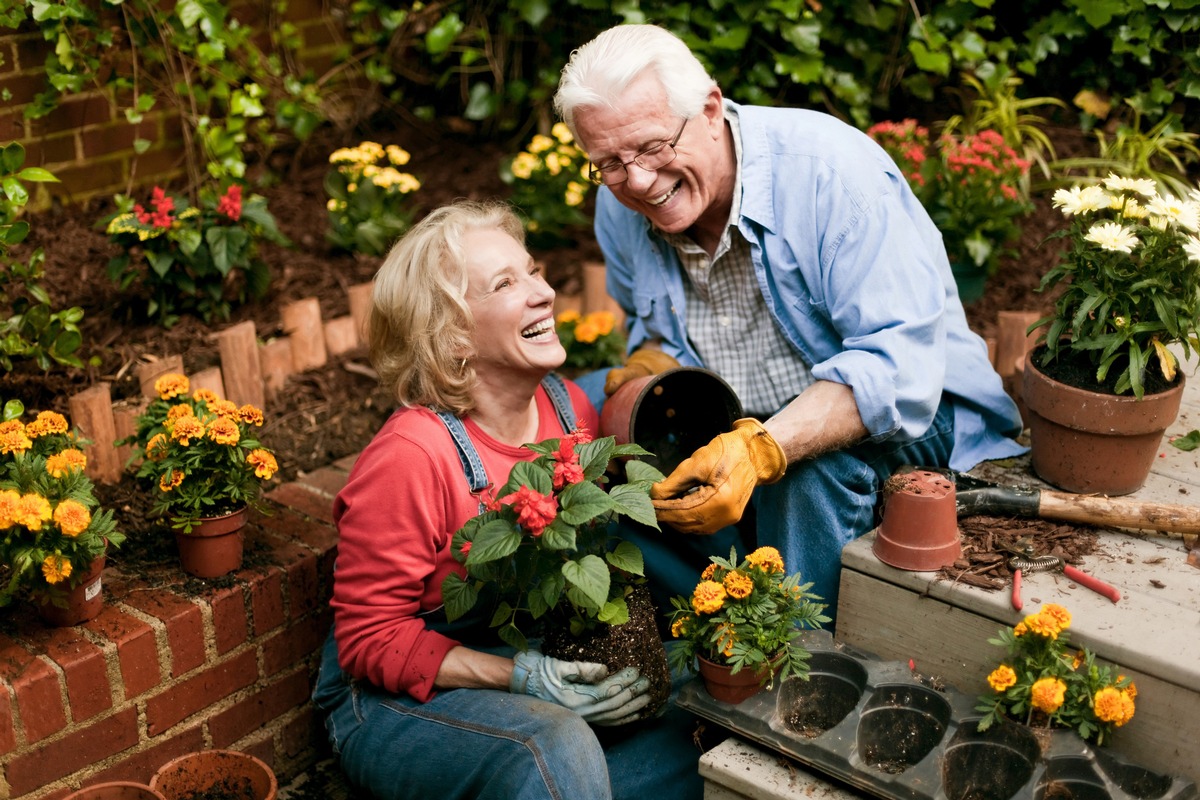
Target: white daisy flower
column 1119, row 183
column 1191, row 246
column 1080, row 199
column 1112, row 236
column 1181, row 212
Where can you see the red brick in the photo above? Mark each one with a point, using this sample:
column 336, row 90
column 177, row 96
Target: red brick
column 200, row 691
column 185, row 626
column 228, row 618
column 266, row 601
column 50, row 150
column 319, row 35
column 8, row 734
column 57, row 794
column 137, row 650
column 302, row 734
column 159, row 164
column 87, row 179
column 264, row 751
column 23, row 88
column 117, row 137
column 31, row 52
column 75, row 112
column 8, row 57
column 304, row 500
column 83, row 665
column 295, row 643
column 36, row 688
column 303, row 591
column 254, row 712
column 104, row 738
column 327, row 480
column 12, row 127
column 141, row 765
column 305, row 10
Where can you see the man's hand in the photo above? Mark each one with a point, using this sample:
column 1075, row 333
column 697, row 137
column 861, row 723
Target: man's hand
column 584, row 687
column 644, row 362
column 710, row 490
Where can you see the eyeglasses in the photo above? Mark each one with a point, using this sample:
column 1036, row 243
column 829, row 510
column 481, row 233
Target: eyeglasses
column 652, row 158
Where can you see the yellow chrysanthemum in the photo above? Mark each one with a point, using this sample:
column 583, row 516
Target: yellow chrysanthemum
column 170, row 480
column 1046, row 694
column 1002, row 677
column 175, row 413
column 1020, row 629
column 223, row 408
column 224, row 430
column 766, row 559
column 398, row 156
column 71, row 517
column 524, row 165
column 708, row 597
column 47, row 422
column 187, row 428
column 68, row 460
column 207, row 395
column 264, row 463
column 561, row 132
column 574, row 194
column 56, row 568
column 540, row 143
column 32, row 511
column 8, row 508
column 250, row 415
column 738, row 585
column 172, row 385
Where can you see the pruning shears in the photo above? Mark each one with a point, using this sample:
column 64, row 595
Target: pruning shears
column 1024, row 560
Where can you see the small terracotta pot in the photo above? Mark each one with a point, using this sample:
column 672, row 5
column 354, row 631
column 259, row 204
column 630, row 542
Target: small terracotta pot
column 671, row 414
column 214, row 546
column 84, row 601
column 115, row 790
column 228, row 771
column 919, row 531
column 727, row 686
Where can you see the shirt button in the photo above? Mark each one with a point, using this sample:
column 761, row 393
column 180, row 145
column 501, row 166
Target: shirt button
column 724, row 321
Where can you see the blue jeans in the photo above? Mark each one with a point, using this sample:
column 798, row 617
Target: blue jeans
column 468, row 744
column 818, row 508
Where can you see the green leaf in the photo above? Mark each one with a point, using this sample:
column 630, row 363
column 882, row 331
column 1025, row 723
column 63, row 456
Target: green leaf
column 558, row 535
column 1188, row 442
column 439, row 38
column 636, row 471
column 628, row 557
column 590, row 576
column 633, row 502
column 226, row 245
column 458, row 595
column 495, row 540
column 37, row 174
column 614, row 612
column 583, row 502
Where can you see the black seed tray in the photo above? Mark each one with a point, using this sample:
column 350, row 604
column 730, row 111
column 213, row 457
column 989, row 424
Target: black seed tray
column 877, row 727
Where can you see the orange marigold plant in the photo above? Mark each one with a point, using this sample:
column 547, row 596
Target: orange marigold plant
column 1045, row 681
column 747, row 615
column 591, row 340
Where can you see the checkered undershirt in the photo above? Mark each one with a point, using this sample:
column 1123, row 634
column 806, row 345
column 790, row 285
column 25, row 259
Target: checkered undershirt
column 727, row 318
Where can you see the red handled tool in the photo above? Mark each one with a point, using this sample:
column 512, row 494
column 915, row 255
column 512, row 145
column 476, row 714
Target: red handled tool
column 1025, row 561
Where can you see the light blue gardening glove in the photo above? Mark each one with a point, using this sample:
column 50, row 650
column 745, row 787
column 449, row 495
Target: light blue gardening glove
column 584, row 687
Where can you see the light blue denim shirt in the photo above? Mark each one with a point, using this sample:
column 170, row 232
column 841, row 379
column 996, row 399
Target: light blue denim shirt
column 853, row 271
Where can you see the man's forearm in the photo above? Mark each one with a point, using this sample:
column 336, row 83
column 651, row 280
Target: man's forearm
column 823, row 418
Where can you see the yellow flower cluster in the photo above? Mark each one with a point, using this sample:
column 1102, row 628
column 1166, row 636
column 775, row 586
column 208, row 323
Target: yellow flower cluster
column 590, row 327
column 708, row 597
column 363, row 163
column 1047, row 694
column 16, row 437
column 1114, row 705
column 555, row 155
column 1048, row 623
column 766, row 559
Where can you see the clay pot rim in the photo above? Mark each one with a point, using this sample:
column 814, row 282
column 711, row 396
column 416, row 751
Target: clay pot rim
column 1075, row 391
column 84, row 792
column 199, row 755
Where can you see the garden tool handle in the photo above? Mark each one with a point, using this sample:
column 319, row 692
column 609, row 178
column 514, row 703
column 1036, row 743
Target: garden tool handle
column 1091, row 582
column 1118, row 512
column 1017, row 603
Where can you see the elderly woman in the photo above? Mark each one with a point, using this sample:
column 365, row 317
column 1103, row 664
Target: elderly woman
column 461, row 329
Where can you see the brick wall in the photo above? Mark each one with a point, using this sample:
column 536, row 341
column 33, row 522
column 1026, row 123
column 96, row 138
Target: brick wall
column 176, row 664
column 86, row 142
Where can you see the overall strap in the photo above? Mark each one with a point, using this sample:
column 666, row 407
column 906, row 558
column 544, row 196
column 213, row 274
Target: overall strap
column 556, row 387
column 468, row 456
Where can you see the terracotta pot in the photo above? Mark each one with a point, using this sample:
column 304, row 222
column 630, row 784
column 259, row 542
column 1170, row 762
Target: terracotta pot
column 919, row 531
column 727, row 686
column 1093, row 443
column 671, row 414
column 214, row 546
column 229, row 772
column 116, row 790
column 84, row 600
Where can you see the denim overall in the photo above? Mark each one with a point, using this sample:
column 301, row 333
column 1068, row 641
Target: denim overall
column 487, row 744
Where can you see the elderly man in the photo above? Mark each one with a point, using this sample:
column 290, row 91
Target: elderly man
column 783, row 250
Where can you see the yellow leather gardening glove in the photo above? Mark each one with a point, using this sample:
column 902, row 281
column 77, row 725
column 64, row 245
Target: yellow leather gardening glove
column 720, row 477
column 643, row 362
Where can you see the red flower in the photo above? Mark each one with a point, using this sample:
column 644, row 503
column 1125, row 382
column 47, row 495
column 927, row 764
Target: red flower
column 534, row 510
column 231, row 204
column 465, row 549
column 567, row 473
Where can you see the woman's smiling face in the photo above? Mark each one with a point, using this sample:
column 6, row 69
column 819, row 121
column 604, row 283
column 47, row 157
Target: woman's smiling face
column 512, row 304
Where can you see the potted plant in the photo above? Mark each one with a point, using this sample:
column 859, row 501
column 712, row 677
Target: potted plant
column 543, row 559
column 54, row 535
column 592, row 340
column 1130, row 287
column 740, row 628
column 971, row 186
column 200, row 456
column 1045, row 682
column 550, row 184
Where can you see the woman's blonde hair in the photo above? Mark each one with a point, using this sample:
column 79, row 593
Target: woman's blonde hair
column 419, row 329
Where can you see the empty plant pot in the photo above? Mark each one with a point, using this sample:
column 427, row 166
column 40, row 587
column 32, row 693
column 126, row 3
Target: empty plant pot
column 988, row 765
column 115, row 790
column 225, row 774
column 1071, row 777
column 900, row 725
column 671, row 414
column 919, row 531
column 810, row 707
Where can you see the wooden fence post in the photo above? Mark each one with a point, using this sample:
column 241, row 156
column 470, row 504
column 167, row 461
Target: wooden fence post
column 240, row 364
column 360, row 308
column 302, row 324
column 150, row 372
column 275, row 360
column 92, row 414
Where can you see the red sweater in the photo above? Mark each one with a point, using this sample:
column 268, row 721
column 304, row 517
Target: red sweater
column 405, row 498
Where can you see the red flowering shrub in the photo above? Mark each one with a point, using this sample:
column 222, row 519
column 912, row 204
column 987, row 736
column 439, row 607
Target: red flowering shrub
column 544, row 550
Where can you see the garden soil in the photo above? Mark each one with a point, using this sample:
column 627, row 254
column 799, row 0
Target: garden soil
column 331, row 412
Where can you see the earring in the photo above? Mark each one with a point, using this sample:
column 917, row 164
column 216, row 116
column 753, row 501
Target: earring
column 462, row 366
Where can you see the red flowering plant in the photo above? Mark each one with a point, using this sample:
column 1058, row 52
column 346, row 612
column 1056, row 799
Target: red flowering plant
column 544, row 550
column 193, row 259
column 51, row 526
column 970, row 184
column 1044, row 681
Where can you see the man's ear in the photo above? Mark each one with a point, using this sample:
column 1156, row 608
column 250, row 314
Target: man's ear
column 714, row 112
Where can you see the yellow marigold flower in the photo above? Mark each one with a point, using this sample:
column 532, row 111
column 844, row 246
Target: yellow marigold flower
column 250, row 415
column 187, row 428
column 170, row 480
column 766, row 559
column 709, row 571
column 60, row 464
column 174, row 413
column 1020, row 629
column 679, row 625
column 1043, row 625
column 1107, row 704
column 223, row 408
column 726, row 636
column 264, row 463
column 156, row 448
column 1127, row 708
column 1131, row 689
column 561, row 132
column 1060, row 615
column 207, row 395
column 47, row 422
column 72, row 517
column 604, row 321
column 171, row 385
column 1077, row 659
column 11, row 426
column 224, row 430
column 570, row 315
column 32, row 510
column 1002, row 677
column 708, row 597
column 14, row 441
column 586, row 331
column 738, row 585
column 56, row 568
column 1047, row 694
column 8, row 508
